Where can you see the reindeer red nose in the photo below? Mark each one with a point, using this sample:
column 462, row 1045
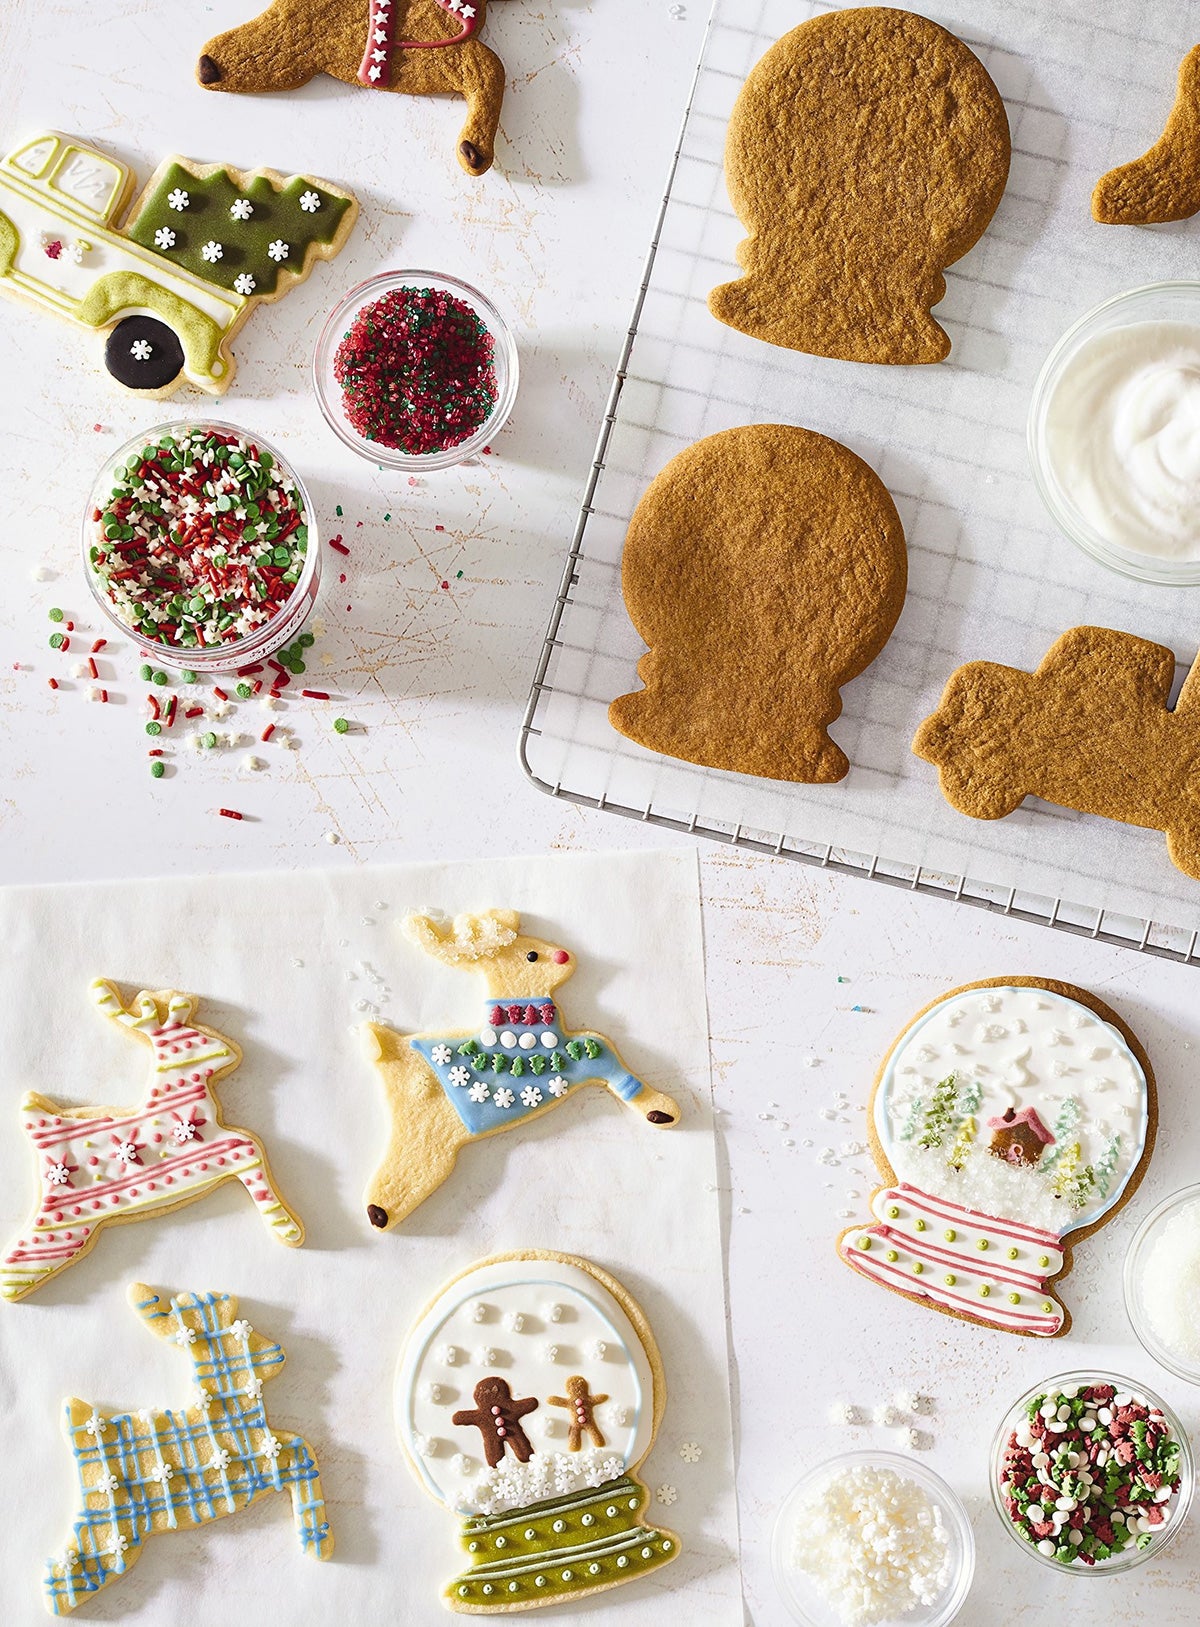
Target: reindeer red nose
column 207, row 71
column 561, row 957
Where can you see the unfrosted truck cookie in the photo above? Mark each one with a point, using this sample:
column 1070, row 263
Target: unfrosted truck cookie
column 868, row 151
column 1010, row 1120
column 528, row 1393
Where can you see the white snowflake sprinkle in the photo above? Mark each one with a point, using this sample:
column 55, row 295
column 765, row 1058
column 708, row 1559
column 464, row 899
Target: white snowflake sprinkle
column 278, row 250
column 186, row 1336
column 107, row 1483
column 558, row 1087
column 241, row 209
column 503, row 1097
column 459, row 1076
column 690, row 1452
column 164, row 238
column 244, row 283
column 310, row 202
column 212, row 251
column 531, row 1096
column 58, row 1175
column 161, row 1472
column 240, row 1329
column 178, row 199
column 141, row 350
column 270, row 1446
column 479, row 1092
column 219, row 1460
column 441, row 1054
column 666, row 1494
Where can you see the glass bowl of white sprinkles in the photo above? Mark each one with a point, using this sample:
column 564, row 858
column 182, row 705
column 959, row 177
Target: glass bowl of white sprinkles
column 200, row 545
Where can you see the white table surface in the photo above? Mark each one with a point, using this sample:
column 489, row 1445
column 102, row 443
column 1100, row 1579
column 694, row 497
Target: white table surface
column 437, row 679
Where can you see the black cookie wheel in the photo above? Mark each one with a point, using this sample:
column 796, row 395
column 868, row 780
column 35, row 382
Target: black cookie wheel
column 143, row 353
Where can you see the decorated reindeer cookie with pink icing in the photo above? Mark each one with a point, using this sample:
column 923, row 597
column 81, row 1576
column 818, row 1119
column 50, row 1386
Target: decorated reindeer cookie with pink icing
column 96, row 1165
column 515, row 1063
column 1010, row 1120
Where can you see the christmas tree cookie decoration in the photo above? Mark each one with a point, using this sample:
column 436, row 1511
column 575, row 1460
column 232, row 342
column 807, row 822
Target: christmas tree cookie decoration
column 551, row 1509
column 447, row 1088
column 148, row 1472
column 977, row 1222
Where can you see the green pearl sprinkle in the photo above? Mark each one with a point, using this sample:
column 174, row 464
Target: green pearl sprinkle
column 893, row 1211
column 158, row 769
column 864, row 1242
column 918, row 1268
column 1045, row 1260
column 208, row 740
column 160, row 677
column 1047, row 1307
column 985, row 1292
column 188, row 676
column 1014, row 1299
column 892, row 1255
column 1013, row 1253
column 920, row 1225
column 56, row 641
column 55, row 614
column 949, row 1234
column 154, row 728
column 145, row 673
column 982, row 1245
column 341, row 725
column 950, row 1279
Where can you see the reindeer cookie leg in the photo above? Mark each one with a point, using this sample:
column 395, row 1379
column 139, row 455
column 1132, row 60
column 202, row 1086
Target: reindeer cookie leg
column 482, row 80
column 426, row 1132
column 43, row 1247
column 87, row 1565
column 303, row 1480
column 259, row 1182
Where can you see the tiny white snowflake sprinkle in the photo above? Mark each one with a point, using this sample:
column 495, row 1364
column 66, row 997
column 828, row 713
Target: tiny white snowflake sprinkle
column 240, row 1329
column 459, row 1076
column 164, row 238
column 531, row 1096
column 278, row 250
column 212, row 251
column 119, row 1544
column 503, row 1097
column 252, row 1388
column 161, row 1472
column 126, row 1152
column 58, row 1175
column 219, row 1459
column 241, row 209
column 310, row 202
column 270, row 1447
column 479, row 1092
column 186, row 1336
column 178, row 199
column 690, row 1452
column 183, row 1132
column 558, row 1087
column 441, row 1054
column 244, row 283
column 96, row 1426
column 141, row 350
column 107, row 1482
column 666, row 1494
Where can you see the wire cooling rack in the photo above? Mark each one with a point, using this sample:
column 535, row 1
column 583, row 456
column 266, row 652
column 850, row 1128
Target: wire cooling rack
column 1087, row 84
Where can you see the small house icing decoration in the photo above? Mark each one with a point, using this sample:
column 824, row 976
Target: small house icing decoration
column 978, row 1224
column 1019, row 1138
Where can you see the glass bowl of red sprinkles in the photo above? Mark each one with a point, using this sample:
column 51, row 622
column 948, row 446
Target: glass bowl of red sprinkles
column 199, row 543
column 416, row 371
column 1091, row 1473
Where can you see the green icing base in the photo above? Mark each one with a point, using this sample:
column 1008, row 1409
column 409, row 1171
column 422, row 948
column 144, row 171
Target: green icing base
column 243, row 242
column 559, row 1548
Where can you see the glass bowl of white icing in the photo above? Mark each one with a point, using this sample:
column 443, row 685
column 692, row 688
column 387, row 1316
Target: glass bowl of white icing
column 1162, row 1283
column 1114, row 433
column 873, row 1539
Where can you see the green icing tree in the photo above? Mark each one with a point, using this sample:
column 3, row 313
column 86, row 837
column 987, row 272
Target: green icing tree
column 1072, row 1181
column 1106, row 1168
column 912, row 1120
column 303, row 215
column 939, row 1115
column 1068, row 1118
column 970, row 1098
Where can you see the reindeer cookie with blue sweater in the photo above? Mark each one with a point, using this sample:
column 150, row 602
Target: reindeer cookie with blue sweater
column 519, row 1061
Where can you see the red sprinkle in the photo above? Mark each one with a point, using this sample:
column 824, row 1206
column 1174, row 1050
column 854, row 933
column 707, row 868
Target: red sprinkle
column 53, row 682
column 245, row 672
column 157, row 752
column 266, row 734
column 104, row 697
column 70, row 626
column 194, row 711
column 66, row 643
column 92, row 673
column 229, row 813
column 315, row 694
column 336, row 542
column 155, row 708
column 169, row 715
column 220, row 693
column 99, row 645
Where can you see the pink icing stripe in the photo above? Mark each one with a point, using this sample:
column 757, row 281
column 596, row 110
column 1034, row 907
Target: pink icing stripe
column 936, row 1255
column 947, row 1209
column 186, row 1162
column 375, row 68
column 997, row 1315
column 64, row 1129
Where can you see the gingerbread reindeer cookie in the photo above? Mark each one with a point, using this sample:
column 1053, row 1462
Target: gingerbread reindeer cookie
column 1009, row 1121
column 552, row 1509
column 868, row 151
column 422, row 47
column 448, row 1088
column 765, row 567
column 1092, row 729
column 99, row 1165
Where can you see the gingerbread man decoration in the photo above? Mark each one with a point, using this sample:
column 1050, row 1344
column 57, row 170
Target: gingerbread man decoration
column 582, row 1405
column 497, row 1417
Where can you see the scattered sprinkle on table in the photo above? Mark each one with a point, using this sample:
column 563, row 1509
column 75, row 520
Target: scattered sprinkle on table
column 873, row 1544
column 417, row 371
column 201, row 541
column 341, row 725
column 1090, row 1471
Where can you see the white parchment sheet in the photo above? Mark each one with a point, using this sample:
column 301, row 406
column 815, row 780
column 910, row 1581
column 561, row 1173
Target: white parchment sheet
column 289, row 965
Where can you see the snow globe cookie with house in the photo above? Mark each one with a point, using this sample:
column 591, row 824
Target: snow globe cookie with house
column 1009, row 1120
column 528, row 1393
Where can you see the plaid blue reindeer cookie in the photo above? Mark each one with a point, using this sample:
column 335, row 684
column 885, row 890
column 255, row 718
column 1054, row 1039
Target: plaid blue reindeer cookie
column 141, row 1473
column 447, row 1088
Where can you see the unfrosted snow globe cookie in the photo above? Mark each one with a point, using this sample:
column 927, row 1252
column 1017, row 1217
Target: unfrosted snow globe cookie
column 527, row 1395
column 1009, row 1120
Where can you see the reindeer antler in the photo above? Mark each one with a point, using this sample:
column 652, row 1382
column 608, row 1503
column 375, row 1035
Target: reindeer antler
column 145, row 1007
column 467, row 938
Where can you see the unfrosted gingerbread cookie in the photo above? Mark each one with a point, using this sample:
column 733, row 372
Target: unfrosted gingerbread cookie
column 1009, row 1121
column 765, row 567
column 868, row 151
column 545, row 1484
column 1164, row 183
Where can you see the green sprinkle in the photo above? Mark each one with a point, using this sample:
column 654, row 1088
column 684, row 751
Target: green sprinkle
column 56, row 641
column 306, row 641
column 154, row 728
column 243, row 692
column 55, row 614
column 157, row 769
column 160, row 677
column 208, row 740
column 341, row 725
column 338, row 510
column 188, row 676
column 387, row 516
column 145, row 673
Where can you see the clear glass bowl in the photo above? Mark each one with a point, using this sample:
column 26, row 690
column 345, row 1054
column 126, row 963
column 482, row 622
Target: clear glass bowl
column 274, row 634
column 1156, row 302
column 329, row 391
column 1136, row 1256
column 805, row 1603
column 1129, row 1557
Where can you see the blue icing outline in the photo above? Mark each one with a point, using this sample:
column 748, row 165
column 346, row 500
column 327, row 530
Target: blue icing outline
column 1137, row 1135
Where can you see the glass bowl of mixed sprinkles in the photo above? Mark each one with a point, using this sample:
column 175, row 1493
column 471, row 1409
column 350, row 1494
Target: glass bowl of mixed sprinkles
column 416, row 371
column 1091, row 1473
column 199, row 543
column 873, row 1539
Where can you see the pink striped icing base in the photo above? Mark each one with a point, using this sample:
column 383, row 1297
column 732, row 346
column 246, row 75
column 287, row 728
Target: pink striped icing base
column 992, row 1269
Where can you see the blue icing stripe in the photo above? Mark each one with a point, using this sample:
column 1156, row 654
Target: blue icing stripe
column 494, row 1085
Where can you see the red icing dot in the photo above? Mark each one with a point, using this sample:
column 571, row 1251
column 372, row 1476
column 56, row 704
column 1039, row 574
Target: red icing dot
column 158, row 1135
column 133, row 1191
column 220, row 1161
column 560, row 957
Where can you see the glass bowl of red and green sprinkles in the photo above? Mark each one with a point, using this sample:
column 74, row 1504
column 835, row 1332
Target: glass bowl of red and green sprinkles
column 416, row 371
column 1091, row 1473
column 199, row 543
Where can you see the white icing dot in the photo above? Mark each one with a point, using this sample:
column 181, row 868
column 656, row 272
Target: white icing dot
column 527, row 1041
column 515, row 1321
column 479, row 1311
column 549, row 1039
column 508, row 1039
column 487, row 1036
column 554, row 1313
